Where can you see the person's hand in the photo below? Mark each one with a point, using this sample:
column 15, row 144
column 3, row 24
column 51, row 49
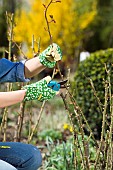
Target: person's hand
column 50, row 55
column 41, row 90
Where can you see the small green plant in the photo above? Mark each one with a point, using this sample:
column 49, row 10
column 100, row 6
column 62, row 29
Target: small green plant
column 53, row 134
column 61, row 155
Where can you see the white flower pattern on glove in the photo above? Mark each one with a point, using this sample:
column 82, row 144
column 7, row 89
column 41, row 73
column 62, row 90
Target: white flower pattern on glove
column 49, row 56
column 39, row 90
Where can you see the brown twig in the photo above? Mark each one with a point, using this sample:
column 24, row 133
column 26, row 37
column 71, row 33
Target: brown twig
column 10, row 23
column 51, row 16
column 20, row 49
column 5, row 123
column 74, row 132
column 20, row 122
column 110, row 144
column 95, row 94
column 37, row 123
column 103, row 127
column 35, row 54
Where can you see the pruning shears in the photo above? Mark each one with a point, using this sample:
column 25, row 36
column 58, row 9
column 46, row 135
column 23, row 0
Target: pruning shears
column 57, row 85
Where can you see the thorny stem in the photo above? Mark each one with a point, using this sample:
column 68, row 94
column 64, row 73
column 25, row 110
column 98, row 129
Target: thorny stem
column 86, row 155
column 111, row 124
column 73, row 127
column 111, row 133
column 11, row 23
column 77, row 108
column 33, row 49
column 48, row 28
column 108, row 156
column 2, row 122
column 39, row 46
column 36, row 125
column 19, row 48
column 48, row 23
column 38, row 43
column 82, row 114
column 3, row 125
column 53, row 74
column 74, row 102
column 106, row 151
column 103, row 127
column 32, row 131
column 30, row 119
column 95, row 94
column 20, row 121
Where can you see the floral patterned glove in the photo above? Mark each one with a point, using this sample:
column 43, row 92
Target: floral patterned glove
column 49, row 56
column 40, row 90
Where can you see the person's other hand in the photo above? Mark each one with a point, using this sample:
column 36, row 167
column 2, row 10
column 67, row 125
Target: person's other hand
column 50, row 55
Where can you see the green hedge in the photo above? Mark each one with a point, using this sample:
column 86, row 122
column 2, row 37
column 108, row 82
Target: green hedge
column 93, row 67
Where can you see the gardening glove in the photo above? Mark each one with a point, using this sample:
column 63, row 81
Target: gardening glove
column 50, row 55
column 41, row 90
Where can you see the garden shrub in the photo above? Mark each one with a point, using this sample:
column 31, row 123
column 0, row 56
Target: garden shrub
column 94, row 68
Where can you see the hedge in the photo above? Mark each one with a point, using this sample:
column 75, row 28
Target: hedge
column 94, row 68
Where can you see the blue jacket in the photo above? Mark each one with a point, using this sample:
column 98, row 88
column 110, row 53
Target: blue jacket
column 12, row 71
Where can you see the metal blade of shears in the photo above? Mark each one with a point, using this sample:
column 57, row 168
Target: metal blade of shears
column 62, row 83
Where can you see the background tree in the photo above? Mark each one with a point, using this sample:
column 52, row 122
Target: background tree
column 100, row 31
column 10, row 7
column 71, row 18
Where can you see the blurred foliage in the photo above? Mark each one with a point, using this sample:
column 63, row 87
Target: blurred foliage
column 99, row 34
column 9, row 6
column 94, row 68
column 71, row 17
column 54, row 134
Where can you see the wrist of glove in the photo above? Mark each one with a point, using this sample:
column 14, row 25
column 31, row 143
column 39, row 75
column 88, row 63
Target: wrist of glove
column 40, row 90
column 50, row 55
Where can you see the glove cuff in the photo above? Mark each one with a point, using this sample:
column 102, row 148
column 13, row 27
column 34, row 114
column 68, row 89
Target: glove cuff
column 45, row 62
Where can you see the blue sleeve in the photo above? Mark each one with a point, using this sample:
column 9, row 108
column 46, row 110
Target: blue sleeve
column 12, row 71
